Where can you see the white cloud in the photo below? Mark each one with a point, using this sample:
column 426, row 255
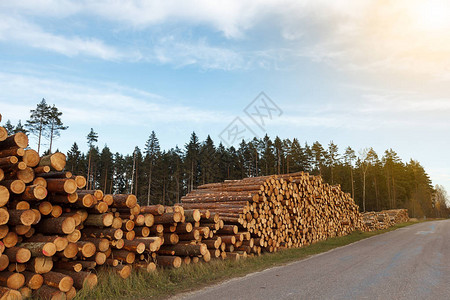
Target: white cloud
column 182, row 53
column 228, row 17
column 369, row 36
column 372, row 110
column 95, row 103
column 48, row 8
column 377, row 37
column 19, row 31
column 398, row 104
column 172, row 50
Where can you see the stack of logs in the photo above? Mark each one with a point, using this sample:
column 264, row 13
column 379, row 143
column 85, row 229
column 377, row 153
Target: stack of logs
column 40, row 224
column 384, row 219
column 279, row 211
column 54, row 233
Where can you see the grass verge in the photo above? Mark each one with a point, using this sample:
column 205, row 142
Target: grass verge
column 167, row 282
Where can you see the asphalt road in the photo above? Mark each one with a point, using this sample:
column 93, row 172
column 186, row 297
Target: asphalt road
column 408, row 263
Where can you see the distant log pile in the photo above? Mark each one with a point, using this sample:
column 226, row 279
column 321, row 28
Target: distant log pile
column 384, row 219
column 281, row 211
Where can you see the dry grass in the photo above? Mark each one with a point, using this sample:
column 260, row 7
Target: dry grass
column 167, row 282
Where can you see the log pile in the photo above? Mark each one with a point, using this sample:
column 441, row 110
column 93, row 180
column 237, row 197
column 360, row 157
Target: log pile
column 40, row 222
column 398, row 215
column 279, row 211
column 384, row 219
column 54, row 233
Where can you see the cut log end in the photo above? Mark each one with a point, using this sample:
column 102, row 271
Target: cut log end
column 80, row 181
column 15, row 280
column 17, row 186
column 88, row 249
column 4, row 216
column 4, row 195
column 58, row 161
column 68, row 225
column 3, row 134
column 70, row 186
column 124, row 271
column 65, row 284
column 131, row 201
column 21, row 139
column 31, row 158
column 49, row 249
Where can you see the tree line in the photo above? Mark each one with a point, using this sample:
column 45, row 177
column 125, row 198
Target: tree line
column 376, row 181
column 163, row 176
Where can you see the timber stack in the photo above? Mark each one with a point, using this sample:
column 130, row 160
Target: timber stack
column 384, row 219
column 40, row 223
column 54, row 233
column 280, row 211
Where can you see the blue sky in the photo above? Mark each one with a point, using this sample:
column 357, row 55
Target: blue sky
column 360, row 73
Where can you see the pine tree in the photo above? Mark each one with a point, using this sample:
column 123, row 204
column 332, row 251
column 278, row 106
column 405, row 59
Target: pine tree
column 120, row 181
column 332, row 158
column 164, row 168
column 19, row 128
column 152, row 151
column 55, row 125
column 223, row 157
column 287, row 147
column 9, row 127
column 92, row 138
column 233, row 168
column 39, row 119
column 349, row 157
column 253, row 147
column 392, row 163
column 208, row 161
column 106, row 170
column 279, row 154
column 440, row 202
column 192, row 165
column 297, row 157
column 73, row 159
column 367, row 158
column 245, row 159
column 177, row 161
column 128, row 168
column 136, row 178
column 375, row 167
column 268, row 160
column 420, row 188
column 319, row 157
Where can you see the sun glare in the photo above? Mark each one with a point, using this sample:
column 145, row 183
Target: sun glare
column 433, row 15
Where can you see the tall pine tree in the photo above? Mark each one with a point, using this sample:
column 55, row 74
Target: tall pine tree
column 92, row 138
column 74, row 159
column 152, row 152
column 191, row 162
column 39, row 119
column 9, row 127
column 208, row 161
column 54, row 125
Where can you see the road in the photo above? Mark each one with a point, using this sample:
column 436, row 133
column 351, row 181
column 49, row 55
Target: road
column 408, row 263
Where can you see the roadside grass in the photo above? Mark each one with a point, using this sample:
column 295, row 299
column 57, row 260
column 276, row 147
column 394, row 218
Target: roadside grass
column 168, row 282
